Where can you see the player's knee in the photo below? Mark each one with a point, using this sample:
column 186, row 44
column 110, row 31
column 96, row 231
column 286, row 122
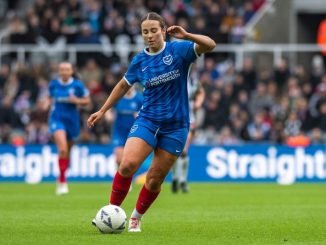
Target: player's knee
column 63, row 153
column 154, row 182
column 118, row 160
column 127, row 167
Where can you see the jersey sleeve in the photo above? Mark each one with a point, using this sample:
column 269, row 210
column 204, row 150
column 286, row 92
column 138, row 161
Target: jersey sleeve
column 187, row 50
column 81, row 90
column 131, row 74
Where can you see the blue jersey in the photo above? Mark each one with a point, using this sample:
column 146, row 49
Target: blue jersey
column 126, row 110
column 60, row 92
column 164, row 75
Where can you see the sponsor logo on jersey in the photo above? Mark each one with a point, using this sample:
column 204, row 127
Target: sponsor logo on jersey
column 163, row 78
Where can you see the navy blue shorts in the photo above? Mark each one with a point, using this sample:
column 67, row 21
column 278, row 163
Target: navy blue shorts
column 72, row 128
column 168, row 138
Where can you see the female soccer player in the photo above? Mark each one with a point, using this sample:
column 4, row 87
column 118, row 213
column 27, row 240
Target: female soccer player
column 163, row 121
column 66, row 93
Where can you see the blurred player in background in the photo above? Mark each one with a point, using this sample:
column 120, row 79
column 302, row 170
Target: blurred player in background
column 196, row 95
column 126, row 111
column 163, row 121
column 65, row 95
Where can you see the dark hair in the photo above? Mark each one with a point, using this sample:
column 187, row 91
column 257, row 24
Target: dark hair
column 154, row 16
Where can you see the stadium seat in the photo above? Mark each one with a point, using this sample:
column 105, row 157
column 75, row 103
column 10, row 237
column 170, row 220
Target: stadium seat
column 107, row 46
column 123, row 47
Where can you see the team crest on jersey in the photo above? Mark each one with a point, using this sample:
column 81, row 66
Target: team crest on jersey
column 168, row 59
column 134, row 128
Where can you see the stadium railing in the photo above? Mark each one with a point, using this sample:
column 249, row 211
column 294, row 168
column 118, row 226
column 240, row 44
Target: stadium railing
column 239, row 51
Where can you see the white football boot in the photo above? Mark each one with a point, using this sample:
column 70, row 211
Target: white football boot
column 62, row 189
column 134, row 225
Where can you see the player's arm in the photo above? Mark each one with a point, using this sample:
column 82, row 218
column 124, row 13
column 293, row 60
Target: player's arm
column 118, row 92
column 80, row 101
column 46, row 103
column 204, row 43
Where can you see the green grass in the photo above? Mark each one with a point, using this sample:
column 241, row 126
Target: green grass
column 209, row 214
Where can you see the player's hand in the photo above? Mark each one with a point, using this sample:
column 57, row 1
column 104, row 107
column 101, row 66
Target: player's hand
column 177, row 32
column 73, row 99
column 94, row 118
column 45, row 104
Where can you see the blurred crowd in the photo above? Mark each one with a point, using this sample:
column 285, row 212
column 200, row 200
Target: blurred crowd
column 89, row 21
column 280, row 105
column 246, row 105
column 275, row 105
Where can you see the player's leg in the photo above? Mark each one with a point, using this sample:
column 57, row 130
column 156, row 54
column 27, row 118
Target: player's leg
column 141, row 142
column 60, row 140
column 118, row 151
column 160, row 167
column 135, row 152
column 180, row 168
column 175, row 176
column 184, row 164
column 70, row 145
column 170, row 144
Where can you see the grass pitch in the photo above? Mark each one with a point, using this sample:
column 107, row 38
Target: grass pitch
column 209, row 214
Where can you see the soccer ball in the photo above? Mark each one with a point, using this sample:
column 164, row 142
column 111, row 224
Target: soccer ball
column 111, row 219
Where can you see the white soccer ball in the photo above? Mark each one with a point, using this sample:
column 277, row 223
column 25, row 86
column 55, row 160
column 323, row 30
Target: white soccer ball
column 111, row 219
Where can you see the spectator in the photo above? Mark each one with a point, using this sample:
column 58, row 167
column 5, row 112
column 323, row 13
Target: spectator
column 94, row 16
column 215, row 115
column 9, row 119
column 226, row 137
column 86, row 36
column 238, row 31
column 4, row 74
column 229, row 19
column 321, row 120
column 92, row 75
column 257, row 4
column 317, row 70
column 74, row 8
column 318, row 96
column 11, row 87
column 281, row 73
column 317, row 137
column 258, row 130
column 303, row 114
column 292, row 126
column 260, row 99
column 249, row 74
column 52, row 33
